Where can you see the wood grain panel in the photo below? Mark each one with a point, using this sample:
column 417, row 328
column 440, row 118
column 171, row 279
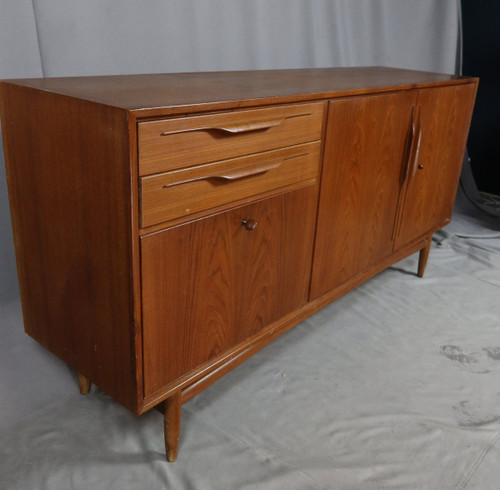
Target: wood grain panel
column 182, row 93
column 366, row 145
column 431, row 185
column 211, row 284
column 187, row 191
column 69, row 185
column 184, row 142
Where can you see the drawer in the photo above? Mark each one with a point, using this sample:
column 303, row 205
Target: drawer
column 184, row 192
column 183, row 142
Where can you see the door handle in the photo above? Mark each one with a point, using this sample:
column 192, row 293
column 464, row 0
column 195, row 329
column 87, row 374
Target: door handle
column 415, row 146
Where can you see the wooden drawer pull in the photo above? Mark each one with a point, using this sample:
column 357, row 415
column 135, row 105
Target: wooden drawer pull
column 250, row 126
column 249, row 170
column 234, row 128
column 235, row 173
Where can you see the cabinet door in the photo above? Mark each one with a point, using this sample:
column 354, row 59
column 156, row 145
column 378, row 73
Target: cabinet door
column 210, row 284
column 366, row 145
column 442, row 118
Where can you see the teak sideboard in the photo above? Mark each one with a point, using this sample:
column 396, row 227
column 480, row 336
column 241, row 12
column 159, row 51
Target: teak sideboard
column 168, row 226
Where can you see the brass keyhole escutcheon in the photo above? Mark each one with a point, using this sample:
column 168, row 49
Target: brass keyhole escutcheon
column 249, row 224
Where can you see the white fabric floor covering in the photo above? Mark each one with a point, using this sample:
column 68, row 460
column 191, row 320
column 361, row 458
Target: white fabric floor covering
column 394, row 386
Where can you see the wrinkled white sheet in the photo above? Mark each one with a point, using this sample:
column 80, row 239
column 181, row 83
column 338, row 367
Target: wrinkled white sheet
column 394, row 386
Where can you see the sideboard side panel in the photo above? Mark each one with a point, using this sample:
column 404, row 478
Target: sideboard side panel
column 69, row 181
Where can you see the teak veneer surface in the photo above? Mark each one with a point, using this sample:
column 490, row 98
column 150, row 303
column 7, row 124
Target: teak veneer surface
column 181, row 193
column 69, row 189
column 167, row 144
column 251, row 221
column 218, row 90
column 360, row 185
column 432, row 178
column 222, row 282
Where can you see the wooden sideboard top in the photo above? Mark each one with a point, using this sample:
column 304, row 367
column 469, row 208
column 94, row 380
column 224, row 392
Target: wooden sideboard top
column 174, row 93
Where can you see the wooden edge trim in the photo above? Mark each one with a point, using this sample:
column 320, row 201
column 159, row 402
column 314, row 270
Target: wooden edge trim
column 136, row 347
column 199, row 379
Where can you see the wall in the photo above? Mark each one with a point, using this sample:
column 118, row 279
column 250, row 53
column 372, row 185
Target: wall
column 99, row 37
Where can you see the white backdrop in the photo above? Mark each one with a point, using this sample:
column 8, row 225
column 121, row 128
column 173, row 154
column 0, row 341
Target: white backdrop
column 99, row 37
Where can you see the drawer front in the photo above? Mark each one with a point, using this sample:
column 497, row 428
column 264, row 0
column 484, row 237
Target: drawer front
column 184, row 192
column 184, row 142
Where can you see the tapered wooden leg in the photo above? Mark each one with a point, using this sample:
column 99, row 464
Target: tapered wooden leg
column 84, row 384
column 424, row 255
column 172, row 425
